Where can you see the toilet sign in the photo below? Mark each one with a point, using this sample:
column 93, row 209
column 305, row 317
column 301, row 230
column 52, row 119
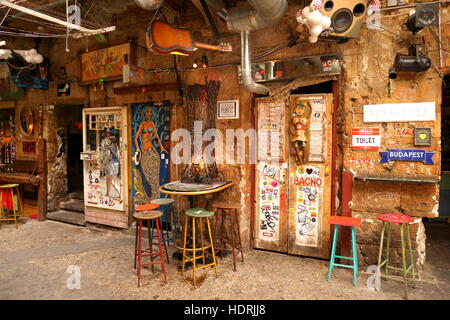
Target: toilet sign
column 366, row 139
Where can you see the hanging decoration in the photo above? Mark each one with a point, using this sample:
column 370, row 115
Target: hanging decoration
column 314, row 20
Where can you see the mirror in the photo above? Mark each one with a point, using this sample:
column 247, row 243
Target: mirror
column 26, row 120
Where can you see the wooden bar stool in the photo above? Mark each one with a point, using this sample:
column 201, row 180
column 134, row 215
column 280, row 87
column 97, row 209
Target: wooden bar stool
column 403, row 220
column 198, row 214
column 349, row 222
column 231, row 210
column 168, row 216
column 139, row 208
column 149, row 216
column 10, row 200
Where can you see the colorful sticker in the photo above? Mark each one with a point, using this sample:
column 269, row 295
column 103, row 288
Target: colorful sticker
column 269, row 209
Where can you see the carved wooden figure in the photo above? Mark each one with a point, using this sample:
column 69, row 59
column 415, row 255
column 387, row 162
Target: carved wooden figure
column 298, row 125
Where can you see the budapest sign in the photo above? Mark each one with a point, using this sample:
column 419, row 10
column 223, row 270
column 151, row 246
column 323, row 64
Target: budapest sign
column 407, row 155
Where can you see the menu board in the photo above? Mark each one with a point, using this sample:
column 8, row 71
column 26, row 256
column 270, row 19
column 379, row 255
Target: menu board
column 271, row 144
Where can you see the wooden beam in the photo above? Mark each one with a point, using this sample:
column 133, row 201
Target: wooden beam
column 171, row 86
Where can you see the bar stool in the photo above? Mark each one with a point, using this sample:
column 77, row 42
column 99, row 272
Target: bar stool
column 139, row 208
column 403, row 220
column 168, row 215
column 231, row 210
column 149, row 216
column 348, row 222
column 11, row 200
column 198, row 214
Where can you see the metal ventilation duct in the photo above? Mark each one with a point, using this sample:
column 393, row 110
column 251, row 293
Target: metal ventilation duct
column 260, row 14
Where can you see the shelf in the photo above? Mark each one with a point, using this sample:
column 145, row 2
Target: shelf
column 398, row 179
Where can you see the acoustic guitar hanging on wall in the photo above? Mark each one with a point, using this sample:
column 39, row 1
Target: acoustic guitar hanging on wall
column 162, row 38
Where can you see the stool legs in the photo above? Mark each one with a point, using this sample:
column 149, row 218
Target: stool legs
column 140, row 251
column 355, row 257
column 194, row 249
column 333, row 252
column 405, row 268
column 239, row 234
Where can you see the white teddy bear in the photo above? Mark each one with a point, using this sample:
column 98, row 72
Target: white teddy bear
column 314, row 20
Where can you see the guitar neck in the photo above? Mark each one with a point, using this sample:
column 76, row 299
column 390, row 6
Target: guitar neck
column 207, row 46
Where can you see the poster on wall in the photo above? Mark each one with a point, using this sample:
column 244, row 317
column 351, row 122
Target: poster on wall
column 400, row 112
column 269, row 209
column 308, row 181
column 150, row 149
column 270, row 131
column 104, row 63
column 316, row 132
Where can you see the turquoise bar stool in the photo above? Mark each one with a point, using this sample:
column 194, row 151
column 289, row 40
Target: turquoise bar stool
column 349, row 222
column 168, row 217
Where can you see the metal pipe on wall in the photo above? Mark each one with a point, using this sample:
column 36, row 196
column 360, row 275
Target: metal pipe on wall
column 261, row 14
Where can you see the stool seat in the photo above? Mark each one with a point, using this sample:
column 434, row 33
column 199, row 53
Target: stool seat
column 224, row 205
column 395, row 218
column 199, row 214
column 148, row 215
column 146, row 207
column 163, row 201
column 194, row 210
column 345, row 221
column 10, row 185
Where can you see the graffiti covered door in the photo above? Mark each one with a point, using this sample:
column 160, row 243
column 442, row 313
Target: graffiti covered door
column 150, row 148
column 270, row 221
column 310, row 174
column 293, row 189
column 105, row 158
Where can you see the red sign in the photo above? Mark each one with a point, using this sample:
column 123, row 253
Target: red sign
column 302, row 181
column 366, row 139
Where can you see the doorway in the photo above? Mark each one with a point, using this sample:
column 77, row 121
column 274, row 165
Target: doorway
column 75, row 147
column 293, row 190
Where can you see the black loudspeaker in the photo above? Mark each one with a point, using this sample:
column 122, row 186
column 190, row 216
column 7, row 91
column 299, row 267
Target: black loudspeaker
column 346, row 17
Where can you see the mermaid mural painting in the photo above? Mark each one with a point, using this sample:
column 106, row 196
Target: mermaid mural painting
column 151, row 159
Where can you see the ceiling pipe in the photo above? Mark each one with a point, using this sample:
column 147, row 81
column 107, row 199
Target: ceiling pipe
column 259, row 15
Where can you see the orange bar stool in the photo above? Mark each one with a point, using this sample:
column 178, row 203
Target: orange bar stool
column 143, row 207
column 231, row 210
column 403, row 220
column 198, row 214
column 149, row 216
column 10, row 200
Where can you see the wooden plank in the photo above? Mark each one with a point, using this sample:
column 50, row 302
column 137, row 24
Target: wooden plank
column 21, row 178
column 171, row 86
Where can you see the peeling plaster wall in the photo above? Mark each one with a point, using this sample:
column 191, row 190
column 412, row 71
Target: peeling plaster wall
column 364, row 80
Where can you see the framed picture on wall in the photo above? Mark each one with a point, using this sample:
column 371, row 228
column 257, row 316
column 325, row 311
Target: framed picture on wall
column 106, row 63
column 228, row 109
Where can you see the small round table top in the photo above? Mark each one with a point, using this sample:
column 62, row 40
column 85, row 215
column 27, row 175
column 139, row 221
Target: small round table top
column 146, row 207
column 148, row 215
column 178, row 188
column 225, row 205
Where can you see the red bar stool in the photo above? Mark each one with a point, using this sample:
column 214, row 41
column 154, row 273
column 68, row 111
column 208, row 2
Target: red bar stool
column 143, row 207
column 403, row 220
column 231, row 210
column 150, row 216
column 10, row 200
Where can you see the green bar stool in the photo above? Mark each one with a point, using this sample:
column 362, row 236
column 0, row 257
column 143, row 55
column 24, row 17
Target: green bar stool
column 199, row 214
column 349, row 222
column 403, row 220
column 13, row 202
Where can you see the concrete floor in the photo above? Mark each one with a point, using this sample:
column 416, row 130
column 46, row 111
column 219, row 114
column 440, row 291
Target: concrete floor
column 34, row 262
